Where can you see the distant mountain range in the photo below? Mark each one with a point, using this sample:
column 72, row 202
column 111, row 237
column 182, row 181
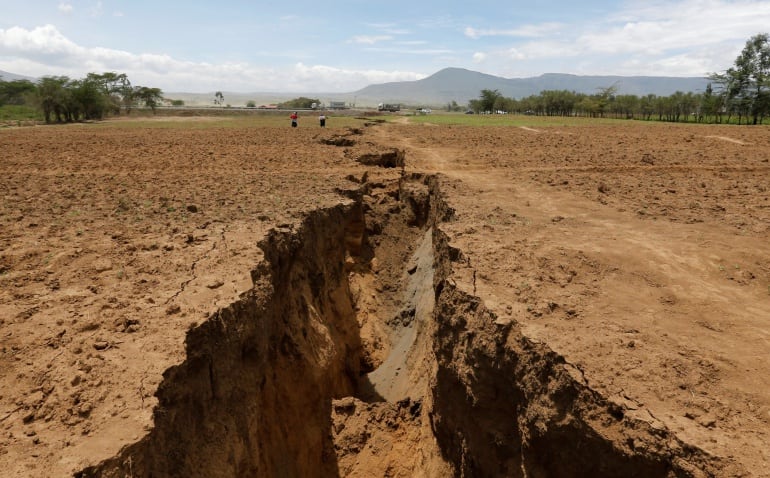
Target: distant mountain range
column 461, row 85
column 455, row 84
column 6, row 76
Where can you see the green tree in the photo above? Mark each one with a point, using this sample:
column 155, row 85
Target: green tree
column 150, row 97
column 711, row 105
column 116, row 88
column 558, row 102
column 603, row 98
column 626, row 106
column 453, row 106
column 299, row 103
column 488, row 99
column 746, row 85
column 529, row 105
column 502, row 104
column 15, row 92
column 89, row 100
column 52, row 96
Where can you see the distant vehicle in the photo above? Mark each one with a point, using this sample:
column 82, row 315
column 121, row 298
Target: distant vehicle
column 388, row 107
column 337, row 105
column 469, row 112
column 425, row 111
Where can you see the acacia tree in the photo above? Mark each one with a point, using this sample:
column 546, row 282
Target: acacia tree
column 746, row 85
column 151, row 97
column 713, row 105
column 116, row 87
column 53, row 96
column 604, row 97
column 15, row 92
column 489, row 98
column 91, row 98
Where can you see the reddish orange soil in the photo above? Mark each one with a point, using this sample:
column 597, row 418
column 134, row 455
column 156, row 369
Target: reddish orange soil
column 638, row 252
column 114, row 243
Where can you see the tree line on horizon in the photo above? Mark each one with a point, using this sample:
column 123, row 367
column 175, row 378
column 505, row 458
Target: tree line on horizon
column 742, row 92
column 61, row 99
column 699, row 107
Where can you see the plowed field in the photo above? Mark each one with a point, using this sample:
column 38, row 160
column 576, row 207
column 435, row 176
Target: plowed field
column 638, row 253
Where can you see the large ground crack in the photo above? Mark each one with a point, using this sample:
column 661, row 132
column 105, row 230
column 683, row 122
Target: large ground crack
column 356, row 353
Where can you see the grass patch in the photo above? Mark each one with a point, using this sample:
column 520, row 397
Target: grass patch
column 505, row 120
column 19, row 113
column 514, row 120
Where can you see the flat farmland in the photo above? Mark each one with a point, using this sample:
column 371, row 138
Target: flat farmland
column 598, row 298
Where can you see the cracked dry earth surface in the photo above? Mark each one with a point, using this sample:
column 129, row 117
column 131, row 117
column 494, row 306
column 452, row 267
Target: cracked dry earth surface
column 385, row 300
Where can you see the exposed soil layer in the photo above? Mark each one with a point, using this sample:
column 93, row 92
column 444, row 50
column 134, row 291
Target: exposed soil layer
column 390, row 300
column 663, row 316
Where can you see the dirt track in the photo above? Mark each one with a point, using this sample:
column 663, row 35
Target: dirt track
column 634, row 257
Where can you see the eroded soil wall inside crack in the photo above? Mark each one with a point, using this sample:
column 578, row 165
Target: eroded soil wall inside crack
column 505, row 405
column 254, row 396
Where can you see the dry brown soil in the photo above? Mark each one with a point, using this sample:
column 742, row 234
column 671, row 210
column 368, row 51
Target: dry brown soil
column 516, row 294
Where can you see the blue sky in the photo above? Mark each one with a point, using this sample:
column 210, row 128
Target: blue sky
column 341, row 46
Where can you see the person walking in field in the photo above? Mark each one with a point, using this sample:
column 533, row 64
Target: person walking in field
column 322, row 120
column 294, row 119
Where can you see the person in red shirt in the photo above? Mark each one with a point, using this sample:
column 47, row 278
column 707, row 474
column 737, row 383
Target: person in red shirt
column 294, row 119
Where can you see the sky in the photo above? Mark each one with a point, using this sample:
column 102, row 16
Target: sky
column 341, row 46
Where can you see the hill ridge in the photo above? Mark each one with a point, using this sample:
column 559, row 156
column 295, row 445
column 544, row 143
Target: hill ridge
column 461, row 85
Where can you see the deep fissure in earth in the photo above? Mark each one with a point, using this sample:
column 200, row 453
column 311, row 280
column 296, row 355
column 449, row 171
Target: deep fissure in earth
column 357, row 342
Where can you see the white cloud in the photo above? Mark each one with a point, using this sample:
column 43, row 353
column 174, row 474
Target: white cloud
column 412, row 51
column 389, row 28
column 524, row 31
column 472, row 33
column 397, row 31
column 644, row 37
column 41, row 41
column 658, row 27
column 682, row 38
column 337, row 79
column 515, row 54
column 412, row 42
column 45, row 51
column 437, row 23
column 370, row 39
column 97, row 10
